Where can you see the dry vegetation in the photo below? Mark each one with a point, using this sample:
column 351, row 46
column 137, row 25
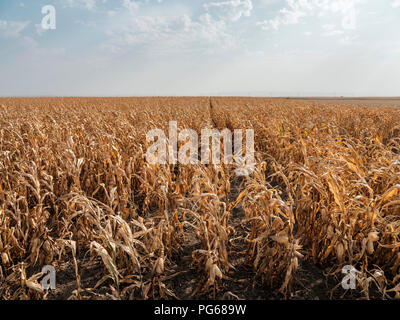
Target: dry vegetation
column 76, row 192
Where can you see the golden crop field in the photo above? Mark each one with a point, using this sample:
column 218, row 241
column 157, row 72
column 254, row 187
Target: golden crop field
column 77, row 193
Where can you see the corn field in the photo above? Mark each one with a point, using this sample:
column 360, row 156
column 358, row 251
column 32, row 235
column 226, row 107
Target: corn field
column 77, row 193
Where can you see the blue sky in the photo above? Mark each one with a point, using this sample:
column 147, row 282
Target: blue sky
column 203, row 47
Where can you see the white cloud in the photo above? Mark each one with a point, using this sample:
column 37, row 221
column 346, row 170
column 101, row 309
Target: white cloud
column 86, row 24
column 296, row 10
column 332, row 33
column 112, row 13
column 12, row 29
column 396, row 4
column 88, row 4
column 232, row 9
column 29, row 43
column 165, row 34
column 331, row 30
column 132, row 6
column 349, row 40
column 328, row 27
column 39, row 29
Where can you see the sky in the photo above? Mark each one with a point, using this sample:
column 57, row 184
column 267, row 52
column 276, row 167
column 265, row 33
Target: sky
column 200, row 47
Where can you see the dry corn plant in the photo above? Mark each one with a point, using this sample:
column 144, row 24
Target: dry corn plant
column 209, row 217
column 272, row 249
